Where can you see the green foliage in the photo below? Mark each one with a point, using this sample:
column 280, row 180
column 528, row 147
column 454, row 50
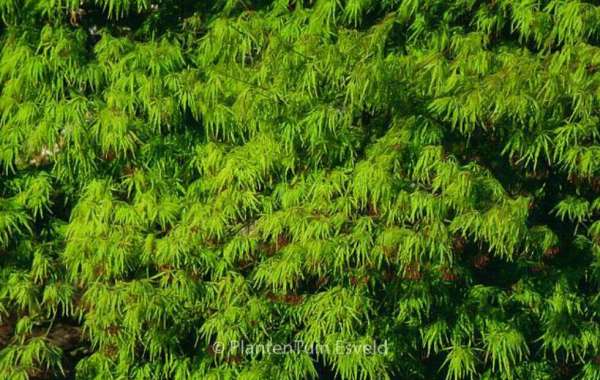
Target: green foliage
column 180, row 179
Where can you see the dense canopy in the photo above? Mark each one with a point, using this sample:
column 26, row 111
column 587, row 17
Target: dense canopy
column 178, row 177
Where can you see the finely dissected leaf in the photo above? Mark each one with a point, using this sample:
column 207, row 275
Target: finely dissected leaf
column 250, row 189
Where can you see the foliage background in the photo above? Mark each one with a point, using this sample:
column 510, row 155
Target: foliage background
column 178, row 174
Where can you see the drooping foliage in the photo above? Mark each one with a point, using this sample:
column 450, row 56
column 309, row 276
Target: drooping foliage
column 180, row 176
